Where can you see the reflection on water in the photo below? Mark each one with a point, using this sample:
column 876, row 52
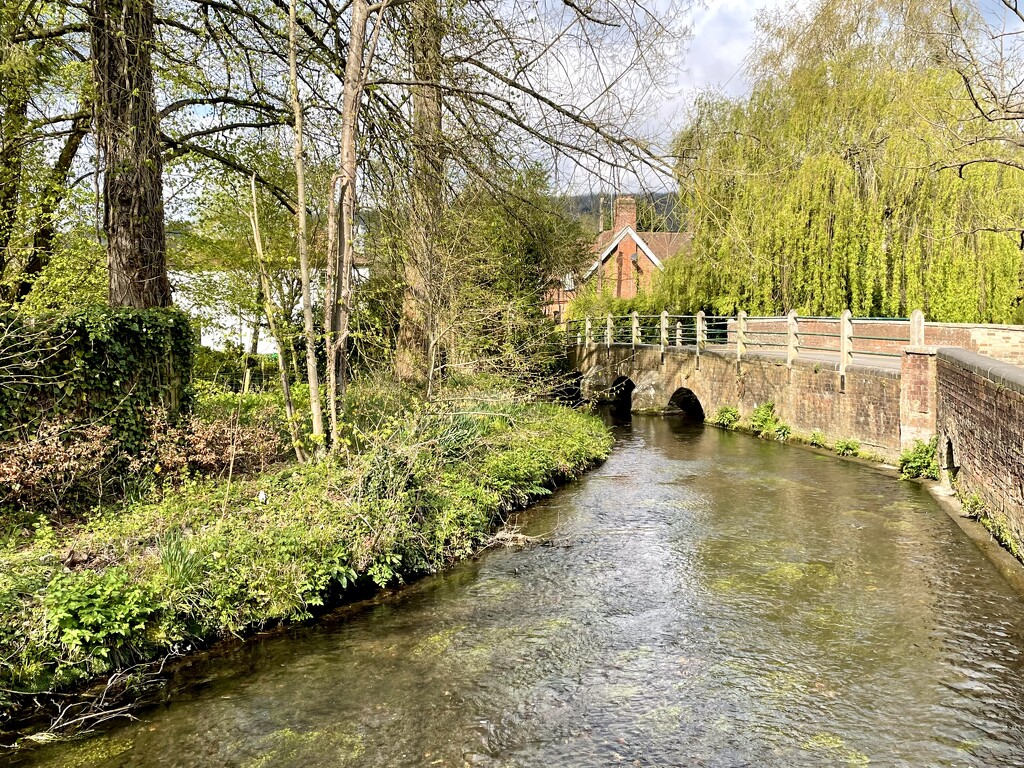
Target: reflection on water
column 707, row 599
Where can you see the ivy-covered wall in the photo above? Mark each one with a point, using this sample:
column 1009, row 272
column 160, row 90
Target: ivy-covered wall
column 99, row 365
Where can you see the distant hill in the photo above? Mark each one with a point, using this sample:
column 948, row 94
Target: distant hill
column 656, row 212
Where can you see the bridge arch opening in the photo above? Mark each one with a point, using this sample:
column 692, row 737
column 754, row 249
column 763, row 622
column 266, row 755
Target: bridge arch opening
column 620, row 395
column 685, row 404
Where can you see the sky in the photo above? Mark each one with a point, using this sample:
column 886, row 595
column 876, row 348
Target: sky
column 722, row 33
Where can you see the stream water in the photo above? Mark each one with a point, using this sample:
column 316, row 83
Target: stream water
column 705, row 599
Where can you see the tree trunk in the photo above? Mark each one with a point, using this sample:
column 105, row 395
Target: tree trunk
column 312, row 375
column 341, row 291
column 128, row 135
column 12, row 146
column 53, row 194
column 271, row 312
column 412, row 358
column 250, row 358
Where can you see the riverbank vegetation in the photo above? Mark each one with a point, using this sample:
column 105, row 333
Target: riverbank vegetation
column 192, row 557
column 921, row 460
column 995, row 523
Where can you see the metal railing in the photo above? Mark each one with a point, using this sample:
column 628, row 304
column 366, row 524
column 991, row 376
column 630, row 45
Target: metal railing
column 789, row 335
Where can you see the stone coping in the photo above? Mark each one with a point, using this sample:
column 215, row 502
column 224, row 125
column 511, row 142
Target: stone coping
column 1004, row 374
column 874, row 370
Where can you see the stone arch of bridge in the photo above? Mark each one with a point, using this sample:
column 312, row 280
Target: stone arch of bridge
column 684, row 403
column 620, row 395
column 621, row 390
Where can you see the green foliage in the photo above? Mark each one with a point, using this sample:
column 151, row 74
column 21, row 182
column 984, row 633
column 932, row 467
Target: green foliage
column 226, row 368
column 726, row 417
column 846, row 447
column 764, row 423
column 921, row 460
column 818, row 191
column 99, row 616
column 209, row 557
column 493, row 261
column 996, row 523
column 77, row 397
column 592, row 302
column 818, row 439
column 96, row 365
column 973, row 506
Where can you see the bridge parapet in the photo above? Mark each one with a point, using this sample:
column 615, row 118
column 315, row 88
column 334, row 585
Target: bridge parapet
column 870, row 379
column 846, row 339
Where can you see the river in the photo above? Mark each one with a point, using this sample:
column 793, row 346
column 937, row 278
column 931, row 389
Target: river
column 703, row 599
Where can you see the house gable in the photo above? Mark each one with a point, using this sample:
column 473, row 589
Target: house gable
column 614, row 245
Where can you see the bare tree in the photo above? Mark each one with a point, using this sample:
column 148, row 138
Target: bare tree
column 301, row 235
column 986, row 47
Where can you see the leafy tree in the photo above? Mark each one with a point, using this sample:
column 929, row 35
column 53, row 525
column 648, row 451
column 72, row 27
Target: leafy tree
column 825, row 187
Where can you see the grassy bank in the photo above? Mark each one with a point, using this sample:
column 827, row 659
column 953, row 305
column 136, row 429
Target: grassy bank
column 418, row 490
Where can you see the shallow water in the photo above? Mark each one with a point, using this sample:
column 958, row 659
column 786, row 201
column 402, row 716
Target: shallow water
column 708, row 599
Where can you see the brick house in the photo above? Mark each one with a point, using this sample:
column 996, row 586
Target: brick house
column 625, row 260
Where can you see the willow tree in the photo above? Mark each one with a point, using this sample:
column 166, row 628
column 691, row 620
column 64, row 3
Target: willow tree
column 826, row 188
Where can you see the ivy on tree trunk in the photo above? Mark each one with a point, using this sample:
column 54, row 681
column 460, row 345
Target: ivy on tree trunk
column 128, row 135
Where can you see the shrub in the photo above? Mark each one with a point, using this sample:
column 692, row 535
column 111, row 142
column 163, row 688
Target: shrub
column 211, row 447
column 726, row 417
column 846, row 447
column 100, row 365
column 100, row 618
column 59, row 467
column 921, row 460
column 764, row 423
column 818, row 439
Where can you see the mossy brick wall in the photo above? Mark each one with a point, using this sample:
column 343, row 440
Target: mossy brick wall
column 105, row 365
column 980, row 415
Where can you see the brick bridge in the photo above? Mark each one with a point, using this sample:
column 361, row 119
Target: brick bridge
column 882, row 382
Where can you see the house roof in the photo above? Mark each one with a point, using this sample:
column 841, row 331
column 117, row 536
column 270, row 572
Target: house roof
column 658, row 246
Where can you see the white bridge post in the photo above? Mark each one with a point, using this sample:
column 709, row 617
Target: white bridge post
column 917, row 328
column 792, row 337
column 636, row 327
column 701, row 331
column 741, row 334
column 679, row 333
column 845, row 341
column 588, row 332
column 609, row 331
column 664, row 330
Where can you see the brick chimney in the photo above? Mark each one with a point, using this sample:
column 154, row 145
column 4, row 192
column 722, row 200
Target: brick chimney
column 625, row 213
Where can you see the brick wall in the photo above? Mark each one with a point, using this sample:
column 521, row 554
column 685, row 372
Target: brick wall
column 1003, row 342
column 623, row 277
column 980, row 415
